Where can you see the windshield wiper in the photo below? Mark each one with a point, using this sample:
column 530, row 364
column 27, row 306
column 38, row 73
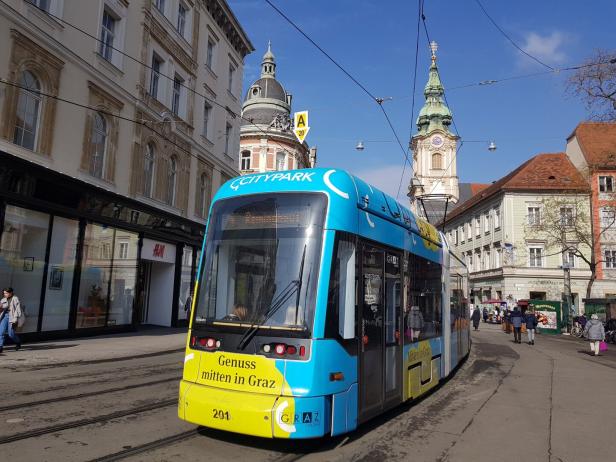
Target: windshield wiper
column 280, row 300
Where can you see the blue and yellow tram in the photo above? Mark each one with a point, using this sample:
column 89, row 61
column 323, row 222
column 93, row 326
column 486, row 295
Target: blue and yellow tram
column 320, row 302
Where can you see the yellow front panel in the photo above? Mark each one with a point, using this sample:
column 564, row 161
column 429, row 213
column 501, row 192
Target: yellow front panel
column 248, row 413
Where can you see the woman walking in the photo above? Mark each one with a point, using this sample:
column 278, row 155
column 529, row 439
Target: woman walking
column 595, row 333
column 476, row 317
column 9, row 317
column 531, row 325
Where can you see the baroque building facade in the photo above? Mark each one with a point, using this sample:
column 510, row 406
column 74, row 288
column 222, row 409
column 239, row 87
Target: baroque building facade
column 267, row 142
column 118, row 123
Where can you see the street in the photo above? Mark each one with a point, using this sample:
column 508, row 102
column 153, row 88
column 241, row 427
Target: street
column 549, row 402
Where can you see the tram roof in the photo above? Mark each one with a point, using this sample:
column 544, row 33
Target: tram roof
column 346, row 192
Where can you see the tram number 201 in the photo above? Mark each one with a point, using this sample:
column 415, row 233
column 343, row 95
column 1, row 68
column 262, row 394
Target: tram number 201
column 220, row 414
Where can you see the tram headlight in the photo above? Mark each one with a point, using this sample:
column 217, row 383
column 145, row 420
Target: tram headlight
column 267, row 348
column 280, row 349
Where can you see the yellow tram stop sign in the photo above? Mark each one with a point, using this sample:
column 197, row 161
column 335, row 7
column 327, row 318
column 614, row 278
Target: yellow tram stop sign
column 300, row 125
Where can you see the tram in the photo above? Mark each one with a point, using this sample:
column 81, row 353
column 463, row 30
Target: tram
column 320, row 302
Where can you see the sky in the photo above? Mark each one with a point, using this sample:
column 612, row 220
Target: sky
column 375, row 41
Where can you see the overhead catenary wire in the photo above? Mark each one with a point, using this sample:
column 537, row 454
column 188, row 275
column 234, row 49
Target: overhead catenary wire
column 534, row 58
column 419, row 11
column 170, row 78
column 378, row 100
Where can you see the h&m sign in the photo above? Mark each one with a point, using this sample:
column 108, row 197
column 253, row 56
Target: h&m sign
column 157, row 251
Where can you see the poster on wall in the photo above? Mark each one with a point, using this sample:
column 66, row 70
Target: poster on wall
column 55, row 278
column 548, row 315
column 546, row 319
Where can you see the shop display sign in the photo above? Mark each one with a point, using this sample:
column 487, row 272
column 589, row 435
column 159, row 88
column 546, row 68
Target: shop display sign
column 158, row 251
column 548, row 315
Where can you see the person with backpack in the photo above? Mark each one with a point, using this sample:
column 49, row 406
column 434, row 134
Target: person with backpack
column 531, row 325
column 11, row 317
column 516, row 321
column 595, row 333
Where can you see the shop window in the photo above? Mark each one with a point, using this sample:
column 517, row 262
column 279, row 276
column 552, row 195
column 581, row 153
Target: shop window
column 28, row 111
column 186, row 283
column 107, row 285
column 61, row 269
column 99, row 145
column 22, row 258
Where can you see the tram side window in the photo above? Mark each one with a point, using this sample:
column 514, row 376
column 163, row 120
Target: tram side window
column 342, row 290
column 458, row 305
column 423, row 309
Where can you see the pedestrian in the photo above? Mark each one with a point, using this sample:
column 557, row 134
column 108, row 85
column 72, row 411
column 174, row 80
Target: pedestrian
column 595, row 333
column 516, row 320
column 11, row 317
column 415, row 323
column 485, row 314
column 531, row 325
column 476, row 317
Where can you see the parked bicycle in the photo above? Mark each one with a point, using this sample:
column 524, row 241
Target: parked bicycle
column 579, row 322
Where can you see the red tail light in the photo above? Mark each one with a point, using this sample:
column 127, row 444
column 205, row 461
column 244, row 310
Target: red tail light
column 302, row 351
column 202, row 341
column 193, row 340
column 291, row 350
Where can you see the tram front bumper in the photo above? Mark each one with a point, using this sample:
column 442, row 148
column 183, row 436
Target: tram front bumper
column 268, row 416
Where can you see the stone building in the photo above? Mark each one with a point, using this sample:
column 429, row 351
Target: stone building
column 267, row 142
column 112, row 141
column 592, row 149
column 497, row 233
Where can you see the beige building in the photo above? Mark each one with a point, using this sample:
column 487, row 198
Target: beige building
column 267, row 142
column 500, row 233
column 119, row 120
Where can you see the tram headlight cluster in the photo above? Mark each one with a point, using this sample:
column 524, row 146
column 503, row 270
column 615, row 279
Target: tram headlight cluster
column 282, row 349
column 208, row 343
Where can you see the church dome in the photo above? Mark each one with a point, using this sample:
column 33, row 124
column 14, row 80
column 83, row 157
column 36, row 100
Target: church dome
column 266, row 87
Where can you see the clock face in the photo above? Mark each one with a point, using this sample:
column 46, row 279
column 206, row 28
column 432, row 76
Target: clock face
column 437, row 141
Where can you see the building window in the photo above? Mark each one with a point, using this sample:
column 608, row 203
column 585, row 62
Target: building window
column 41, row 4
column 470, row 230
column 566, row 216
column 606, row 184
column 209, row 54
column 609, row 261
column 148, row 170
column 280, row 161
column 231, row 78
column 160, row 5
column 107, row 35
column 177, row 92
column 123, row 250
column 497, row 223
column 207, row 115
column 608, row 217
column 462, row 233
column 437, row 161
column 228, row 129
column 568, row 259
column 478, row 226
column 455, row 237
column 181, row 25
column 172, row 180
column 535, row 257
column 204, row 194
column 534, row 216
column 99, row 145
column 497, row 258
column 486, row 259
column 155, row 75
column 469, row 260
column 28, row 111
column 478, row 261
column 245, row 161
column 486, row 223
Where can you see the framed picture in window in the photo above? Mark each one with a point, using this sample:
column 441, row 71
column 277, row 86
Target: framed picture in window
column 29, row 264
column 56, row 277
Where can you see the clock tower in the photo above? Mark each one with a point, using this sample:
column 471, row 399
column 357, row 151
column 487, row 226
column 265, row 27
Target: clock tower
column 434, row 147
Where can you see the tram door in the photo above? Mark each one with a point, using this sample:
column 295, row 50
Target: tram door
column 380, row 313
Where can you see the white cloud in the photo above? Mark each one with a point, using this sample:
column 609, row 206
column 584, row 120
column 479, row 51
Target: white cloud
column 387, row 179
column 546, row 48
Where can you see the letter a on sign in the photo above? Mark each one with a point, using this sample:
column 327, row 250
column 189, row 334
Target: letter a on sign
column 301, row 127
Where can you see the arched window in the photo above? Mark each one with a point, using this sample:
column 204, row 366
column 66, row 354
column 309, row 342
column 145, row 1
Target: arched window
column 204, row 194
column 245, row 161
column 172, row 180
column 28, row 111
column 148, row 170
column 437, row 161
column 280, row 161
column 99, row 145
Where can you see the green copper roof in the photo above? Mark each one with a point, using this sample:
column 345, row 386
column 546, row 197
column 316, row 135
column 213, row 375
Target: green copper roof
column 434, row 114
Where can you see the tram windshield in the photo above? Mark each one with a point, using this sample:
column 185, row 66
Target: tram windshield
column 262, row 261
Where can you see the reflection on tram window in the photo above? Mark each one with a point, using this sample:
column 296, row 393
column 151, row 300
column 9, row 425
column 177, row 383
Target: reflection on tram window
column 262, row 260
column 423, row 310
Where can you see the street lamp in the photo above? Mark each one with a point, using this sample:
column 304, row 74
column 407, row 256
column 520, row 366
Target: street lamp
column 491, row 144
column 360, row 146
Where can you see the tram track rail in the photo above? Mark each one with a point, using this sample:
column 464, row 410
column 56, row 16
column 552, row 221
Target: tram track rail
column 87, row 421
column 59, row 399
